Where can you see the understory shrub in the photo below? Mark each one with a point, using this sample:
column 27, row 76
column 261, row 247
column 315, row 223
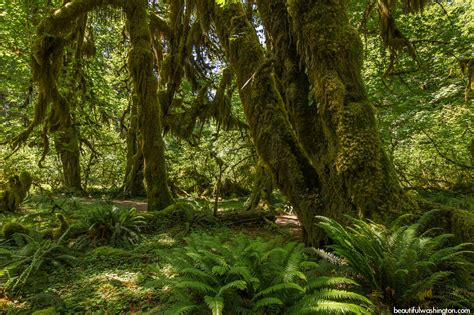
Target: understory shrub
column 405, row 265
column 112, row 226
column 247, row 276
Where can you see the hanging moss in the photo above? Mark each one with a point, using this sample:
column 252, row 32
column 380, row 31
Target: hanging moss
column 46, row 63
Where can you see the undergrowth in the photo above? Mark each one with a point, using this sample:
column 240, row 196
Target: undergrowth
column 405, row 265
column 254, row 276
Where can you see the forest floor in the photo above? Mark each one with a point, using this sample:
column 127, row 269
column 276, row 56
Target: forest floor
column 129, row 280
column 114, row 280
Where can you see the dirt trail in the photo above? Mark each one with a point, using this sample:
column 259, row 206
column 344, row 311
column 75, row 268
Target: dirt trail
column 138, row 204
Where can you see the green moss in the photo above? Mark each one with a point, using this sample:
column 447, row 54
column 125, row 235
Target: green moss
column 462, row 225
column 57, row 232
column 11, row 228
column 46, row 311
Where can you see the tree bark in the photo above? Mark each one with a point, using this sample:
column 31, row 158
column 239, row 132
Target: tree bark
column 68, row 148
column 133, row 181
column 260, row 198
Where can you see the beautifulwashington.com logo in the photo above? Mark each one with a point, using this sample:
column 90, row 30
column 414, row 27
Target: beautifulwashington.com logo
column 433, row 310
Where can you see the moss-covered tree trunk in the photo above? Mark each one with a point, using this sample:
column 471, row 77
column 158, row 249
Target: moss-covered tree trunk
column 133, row 180
column 264, row 108
column 260, row 198
column 18, row 187
column 141, row 63
column 67, row 146
column 356, row 174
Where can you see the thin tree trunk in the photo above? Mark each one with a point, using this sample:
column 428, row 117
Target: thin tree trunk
column 140, row 64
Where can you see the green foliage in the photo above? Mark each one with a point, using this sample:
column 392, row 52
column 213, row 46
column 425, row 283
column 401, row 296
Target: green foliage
column 10, row 229
column 47, row 301
column 36, row 257
column 248, row 276
column 113, row 226
column 425, row 122
column 401, row 266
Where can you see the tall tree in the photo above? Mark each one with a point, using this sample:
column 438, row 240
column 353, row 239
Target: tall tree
column 46, row 64
column 338, row 165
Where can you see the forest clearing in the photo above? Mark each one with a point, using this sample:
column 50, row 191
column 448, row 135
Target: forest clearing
column 236, row 157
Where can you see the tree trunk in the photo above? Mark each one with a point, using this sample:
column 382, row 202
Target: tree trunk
column 133, row 181
column 140, row 65
column 46, row 63
column 356, row 173
column 68, row 148
column 260, row 198
column 18, row 187
column 263, row 106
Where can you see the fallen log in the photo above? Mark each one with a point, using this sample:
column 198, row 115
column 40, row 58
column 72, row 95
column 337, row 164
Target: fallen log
column 246, row 217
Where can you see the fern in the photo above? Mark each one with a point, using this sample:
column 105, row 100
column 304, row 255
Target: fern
column 112, row 226
column 37, row 256
column 401, row 263
column 247, row 276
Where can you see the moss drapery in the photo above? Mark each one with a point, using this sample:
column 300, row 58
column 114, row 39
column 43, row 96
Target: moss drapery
column 46, row 64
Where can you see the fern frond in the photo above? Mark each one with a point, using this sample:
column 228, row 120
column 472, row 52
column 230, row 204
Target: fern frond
column 321, row 282
column 219, row 270
column 216, row 304
column 181, row 309
column 194, row 272
column 333, row 307
column 196, row 285
column 279, row 287
column 266, row 302
column 237, row 284
column 340, row 295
